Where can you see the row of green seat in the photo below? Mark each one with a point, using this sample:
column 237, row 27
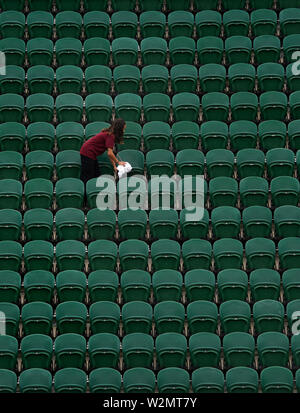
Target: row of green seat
column 125, row 50
column 152, row 24
column 70, row 350
column 140, row 317
column 273, row 379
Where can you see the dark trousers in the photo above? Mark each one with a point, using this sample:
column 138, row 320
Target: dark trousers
column 89, row 168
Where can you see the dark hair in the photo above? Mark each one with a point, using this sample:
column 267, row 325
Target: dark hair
column 116, row 128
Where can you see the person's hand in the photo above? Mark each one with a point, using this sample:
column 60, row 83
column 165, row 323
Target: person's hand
column 122, row 163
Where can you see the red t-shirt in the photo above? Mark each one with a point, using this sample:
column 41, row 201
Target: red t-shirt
column 98, row 144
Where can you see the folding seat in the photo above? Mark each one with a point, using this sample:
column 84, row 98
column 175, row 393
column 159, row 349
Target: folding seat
column 165, row 254
column 202, row 316
column 91, row 5
column 208, row 23
column 250, row 162
column 167, row 285
column 183, row 78
column 190, row 162
column 12, row 136
column 127, row 106
column 293, row 83
column 205, row 350
column 223, row 191
column 39, row 164
column 235, row 316
column 68, row 24
column 238, row 349
column 288, row 250
column 13, row 81
column 215, row 106
column 97, row 51
column 152, row 22
column 124, row 24
column 171, row 349
column 70, row 380
column 155, row 78
column 124, row 51
column 210, row 50
column 96, row 24
column 138, row 350
column 35, row 380
column 270, row 77
column 69, row 107
column 226, row 221
column 135, row 285
column 238, row 49
column 39, row 286
column 260, row 253
column 254, row 190
column 156, row 135
column 161, row 191
column 69, row 223
column 276, row 379
column 135, row 158
column 40, row 79
column 241, row 77
column 14, row 50
column 37, row 318
column 10, row 225
column 103, row 285
column 36, row 351
column 180, row 23
column 126, row 79
column 257, row 221
column 214, row 135
column 178, row 5
column 104, row 350
column 98, row 79
column 280, row 162
column 139, row 380
column 264, row 284
column 40, row 136
column 273, row 349
column 242, row 380
column 268, row 315
column 185, row 107
column 208, row 380
column 291, row 284
column 71, row 317
column 40, row 51
column 133, row 254
column 137, row 317
column 104, row 317
column 181, row 50
column 38, row 255
column 244, row 106
column 40, row 107
column 272, row 134
column 68, row 51
column 228, row 253
column 40, row 24
column 12, row 5
column 199, row 285
column 154, row 50
column 219, row 162
column 10, row 285
column 293, row 134
column 294, row 105
column 132, row 224
column 69, row 79
column 264, row 22
column 232, row 285
column 266, row 49
column 289, row 21
column 10, row 194
column 70, row 351
column 236, row 23
column 105, row 379
column 285, row 191
column 160, row 162
column 8, row 381
column 70, row 255
column 38, row 193
column 12, row 318
column 212, row 77
column 185, row 135
column 10, row 255
column 11, row 165
column 11, row 108
column 101, row 224
column 163, row 223
column 69, row 193
column 68, row 164
column 169, row 317
column 98, row 107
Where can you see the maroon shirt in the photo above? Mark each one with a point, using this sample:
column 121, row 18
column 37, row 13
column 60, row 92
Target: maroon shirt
column 98, row 144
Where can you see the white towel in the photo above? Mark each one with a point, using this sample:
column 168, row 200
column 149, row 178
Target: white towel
column 124, row 169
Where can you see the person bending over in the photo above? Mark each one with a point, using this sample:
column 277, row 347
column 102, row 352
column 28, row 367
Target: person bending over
column 98, row 144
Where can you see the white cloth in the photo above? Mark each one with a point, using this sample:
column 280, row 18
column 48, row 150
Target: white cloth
column 124, row 169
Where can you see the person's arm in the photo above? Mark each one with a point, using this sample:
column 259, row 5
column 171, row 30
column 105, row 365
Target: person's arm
column 113, row 159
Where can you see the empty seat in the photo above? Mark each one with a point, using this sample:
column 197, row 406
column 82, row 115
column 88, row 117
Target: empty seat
column 12, row 318
column 68, row 164
column 244, row 106
column 242, row 380
column 39, row 286
column 37, row 318
column 40, row 51
column 181, row 50
column 208, row 380
column 219, row 162
column 238, row 349
column 137, row 317
column 208, row 23
column 133, row 254
column 293, row 134
column 185, row 135
column 135, row 285
column 185, row 107
column 268, row 315
column 214, row 135
column 69, row 79
column 71, row 285
column 276, row 379
column 205, row 349
column 257, row 221
column 232, row 285
column 11, row 165
column 250, row 162
column 292, row 314
column 14, row 50
column 40, row 107
column 68, row 24
column 101, row 224
column 13, row 81
column 291, row 284
column 163, row 223
column 132, row 223
column 272, row 134
column 243, row 133
column 263, row 22
column 235, row 316
column 223, row 191
column 63, row 5
column 128, row 106
column 11, row 107
column 254, row 191
column 102, row 285
column 123, row 5
column 35, row 380
column 104, row 350
column 69, row 107
column 71, row 317
column 156, row 135
column 264, row 284
column 70, row 255
column 165, row 254
column 280, row 162
column 294, row 105
column 96, row 23
column 273, row 349
column 104, row 317
column 10, row 255
column 202, row 316
column 200, row 285
column 68, row 51
column 288, row 250
column 226, row 222
column 171, row 349
column 97, row 51
column 12, row 136
column 69, row 350
column 38, row 255
column 190, row 162
column 40, row 79
column 10, row 194
column 152, row 21
column 260, row 253
column 124, row 51
column 167, row 285
column 215, row 106
column 8, row 381
column 236, row 23
column 36, row 351
column 40, row 24
column 160, row 162
column 69, row 193
column 70, row 380
column 8, row 352
column 40, row 136
column 266, row 48
column 169, row 317
column 241, row 77
column 126, row 79
column 270, row 77
column 180, row 23
column 155, row 78
column 105, row 379
column 124, row 24
column 139, row 380
column 10, row 284
column 284, row 191
column 212, row 77
column 210, row 50
column 10, row 224
column 238, row 49
column 290, row 46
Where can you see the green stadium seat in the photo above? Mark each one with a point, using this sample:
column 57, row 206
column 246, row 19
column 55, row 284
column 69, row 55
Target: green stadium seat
column 215, row 106
column 135, row 285
column 288, row 250
column 153, row 51
column 209, row 5
column 226, row 222
column 167, row 285
column 124, row 24
column 291, row 284
column 235, row 316
column 232, row 285
column 37, row 318
column 180, row 23
column 169, row 317
column 124, row 51
column 14, row 50
column 132, row 136
column 69, row 224
column 68, row 164
column 63, row 5
column 184, row 78
column 202, row 316
column 132, row 223
column 160, row 162
column 11, row 165
column 38, row 193
column 214, row 135
column 103, row 285
column 39, row 164
column 294, row 105
column 236, row 23
column 10, row 255
column 40, row 51
column 163, row 223
column 254, row 191
column 190, row 162
column 208, row 23
column 138, row 350
column 244, row 106
column 128, row 106
column 284, row 191
column 10, row 224
column 101, row 224
column 126, row 79
column 12, row 5
column 40, row 79
column 133, row 254
column 293, row 134
column 40, row 24
column 40, row 107
column 70, row 380
column 208, row 380
column 185, row 135
column 223, row 191
column 268, row 315
column 238, row 49
column 12, row 136
column 260, row 253
column 243, row 133
column 171, row 349
column 156, row 135
column 118, row 5
column 210, row 50
column 228, row 253
column 70, row 255
column 293, row 316
column 35, row 380
column 155, row 78
column 238, row 349
column 181, row 50
column 11, row 108
column 186, row 106
column 165, row 254
column 10, row 286
column 280, row 162
column 242, row 380
column 266, row 48
column 270, row 77
column 178, row 5
column 92, row 5
column 200, row 285
column 13, row 81
column 98, row 107
column 10, row 194
column 139, row 380
column 96, row 51
column 69, row 193
column 287, row 4
column 104, row 350
column 264, row 284
column 70, row 351
column 12, row 316
column 39, row 286
column 69, row 107
column 292, row 81
column 36, row 351
column 276, row 379
column 263, row 21
column 273, row 349
column 257, row 221
column 212, row 77
column 69, row 79
column 250, row 162
column 241, row 77
column 152, row 22
column 96, row 24
column 205, row 350
column 105, row 379
column 233, row 4
column 136, row 160
column 219, row 162
column 68, row 51
column 38, row 255
column 137, row 317
column 104, row 317
column 68, row 24
column 258, row 4
column 40, row 136
column 272, row 134
column 71, row 317
column 289, row 21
